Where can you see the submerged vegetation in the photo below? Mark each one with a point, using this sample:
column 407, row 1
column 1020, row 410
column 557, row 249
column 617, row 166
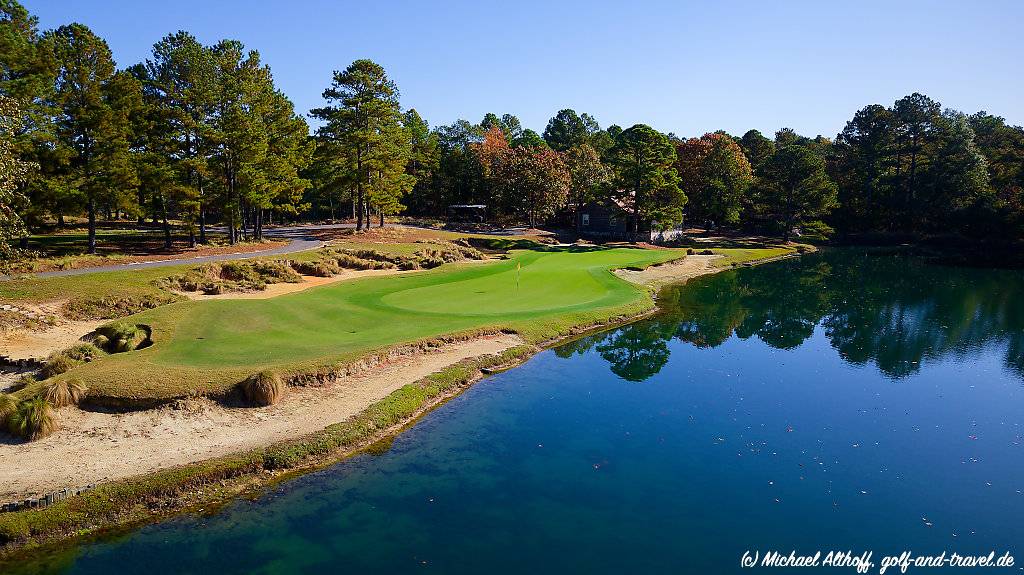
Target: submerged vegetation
column 140, row 499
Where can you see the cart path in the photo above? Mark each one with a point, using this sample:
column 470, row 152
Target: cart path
column 300, row 239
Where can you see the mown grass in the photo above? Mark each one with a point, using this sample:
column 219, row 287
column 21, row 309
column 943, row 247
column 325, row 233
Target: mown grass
column 130, row 291
column 736, row 256
column 209, row 347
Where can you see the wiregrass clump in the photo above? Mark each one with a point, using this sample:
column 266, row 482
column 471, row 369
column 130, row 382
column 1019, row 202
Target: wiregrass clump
column 437, row 254
column 63, row 392
column 264, row 388
column 322, row 268
column 235, row 276
column 121, row 336
column 8, row 405
column 277, row 271
column 85, row 351
column 33, row 419
column 360, row 259
column 57, row 364
column 450, row 251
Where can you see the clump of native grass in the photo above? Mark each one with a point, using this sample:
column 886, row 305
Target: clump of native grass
column 63, row 392
column 84, row 352
column 8, row 405
column 64, row 361
column 240, row 276
column 118, row 337
column 322, row 268
column 264, row 388
column 57, row 364
column 33, row 419
column 330, row 261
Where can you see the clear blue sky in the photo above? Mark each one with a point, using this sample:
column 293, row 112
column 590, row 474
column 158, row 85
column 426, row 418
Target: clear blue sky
column 683, row 67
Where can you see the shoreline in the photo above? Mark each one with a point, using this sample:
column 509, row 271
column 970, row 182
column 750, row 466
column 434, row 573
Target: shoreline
column 115, row 446
column 139, row 499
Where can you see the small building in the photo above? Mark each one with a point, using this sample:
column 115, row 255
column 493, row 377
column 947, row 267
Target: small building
column 612, row 221
column 467, row 213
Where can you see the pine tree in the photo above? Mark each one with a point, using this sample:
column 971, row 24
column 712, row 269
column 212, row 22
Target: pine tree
column 180, row 87
column 424, row 160
column 646, row 181
column 13, row 173
column 363, row 120
column 794, row 187
column 92, row 106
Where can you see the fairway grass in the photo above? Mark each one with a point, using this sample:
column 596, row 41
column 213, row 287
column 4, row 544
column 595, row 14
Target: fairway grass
column 208, row 347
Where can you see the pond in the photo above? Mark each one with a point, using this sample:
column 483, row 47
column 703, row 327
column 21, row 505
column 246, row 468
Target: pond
column 842, row 401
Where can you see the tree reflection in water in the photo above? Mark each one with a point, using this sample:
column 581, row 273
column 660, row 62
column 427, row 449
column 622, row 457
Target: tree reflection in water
column 896, row 312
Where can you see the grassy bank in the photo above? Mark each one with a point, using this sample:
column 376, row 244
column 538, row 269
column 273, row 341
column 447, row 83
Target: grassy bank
column 143, row 499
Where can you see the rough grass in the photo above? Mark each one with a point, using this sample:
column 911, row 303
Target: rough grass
column 264, row 388
column 121, row 336
column 100, row 295
column 57, row 364
column 32, row 420
column 736, row 256
column 8, row 405
column 114, row 306
column 63, row 392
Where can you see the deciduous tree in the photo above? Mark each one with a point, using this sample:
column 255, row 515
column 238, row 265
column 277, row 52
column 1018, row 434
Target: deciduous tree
column 534, row 182
column 588, row 176
column 715, row 177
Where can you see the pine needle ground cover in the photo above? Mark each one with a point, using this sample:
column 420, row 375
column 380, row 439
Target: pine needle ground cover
column 208, row 347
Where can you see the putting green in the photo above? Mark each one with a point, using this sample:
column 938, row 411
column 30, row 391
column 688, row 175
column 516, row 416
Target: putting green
column 205, row 345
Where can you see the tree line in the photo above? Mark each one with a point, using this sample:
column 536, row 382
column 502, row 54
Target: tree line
column 198, row 135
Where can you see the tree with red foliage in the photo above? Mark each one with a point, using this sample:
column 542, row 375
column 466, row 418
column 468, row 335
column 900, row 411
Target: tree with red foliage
column 534, row 182
column 715, row 177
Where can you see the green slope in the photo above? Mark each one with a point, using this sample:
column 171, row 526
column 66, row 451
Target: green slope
column 208, row 346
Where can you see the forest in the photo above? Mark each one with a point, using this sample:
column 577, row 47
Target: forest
column 199, row 136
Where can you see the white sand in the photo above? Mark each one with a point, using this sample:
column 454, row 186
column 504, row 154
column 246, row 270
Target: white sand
column 92, row 447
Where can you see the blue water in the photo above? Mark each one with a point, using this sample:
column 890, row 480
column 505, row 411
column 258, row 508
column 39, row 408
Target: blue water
column 840, row 402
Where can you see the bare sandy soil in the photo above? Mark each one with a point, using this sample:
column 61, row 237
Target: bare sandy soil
column 92, row 447
column 25, row 343
column 673, row 272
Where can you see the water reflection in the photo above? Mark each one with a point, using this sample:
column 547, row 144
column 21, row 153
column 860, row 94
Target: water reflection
column 895, row 312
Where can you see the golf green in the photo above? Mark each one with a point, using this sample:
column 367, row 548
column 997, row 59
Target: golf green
column 536, row 293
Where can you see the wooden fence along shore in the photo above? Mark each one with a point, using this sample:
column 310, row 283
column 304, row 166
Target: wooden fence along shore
column 44, row 501
column 29, row 362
